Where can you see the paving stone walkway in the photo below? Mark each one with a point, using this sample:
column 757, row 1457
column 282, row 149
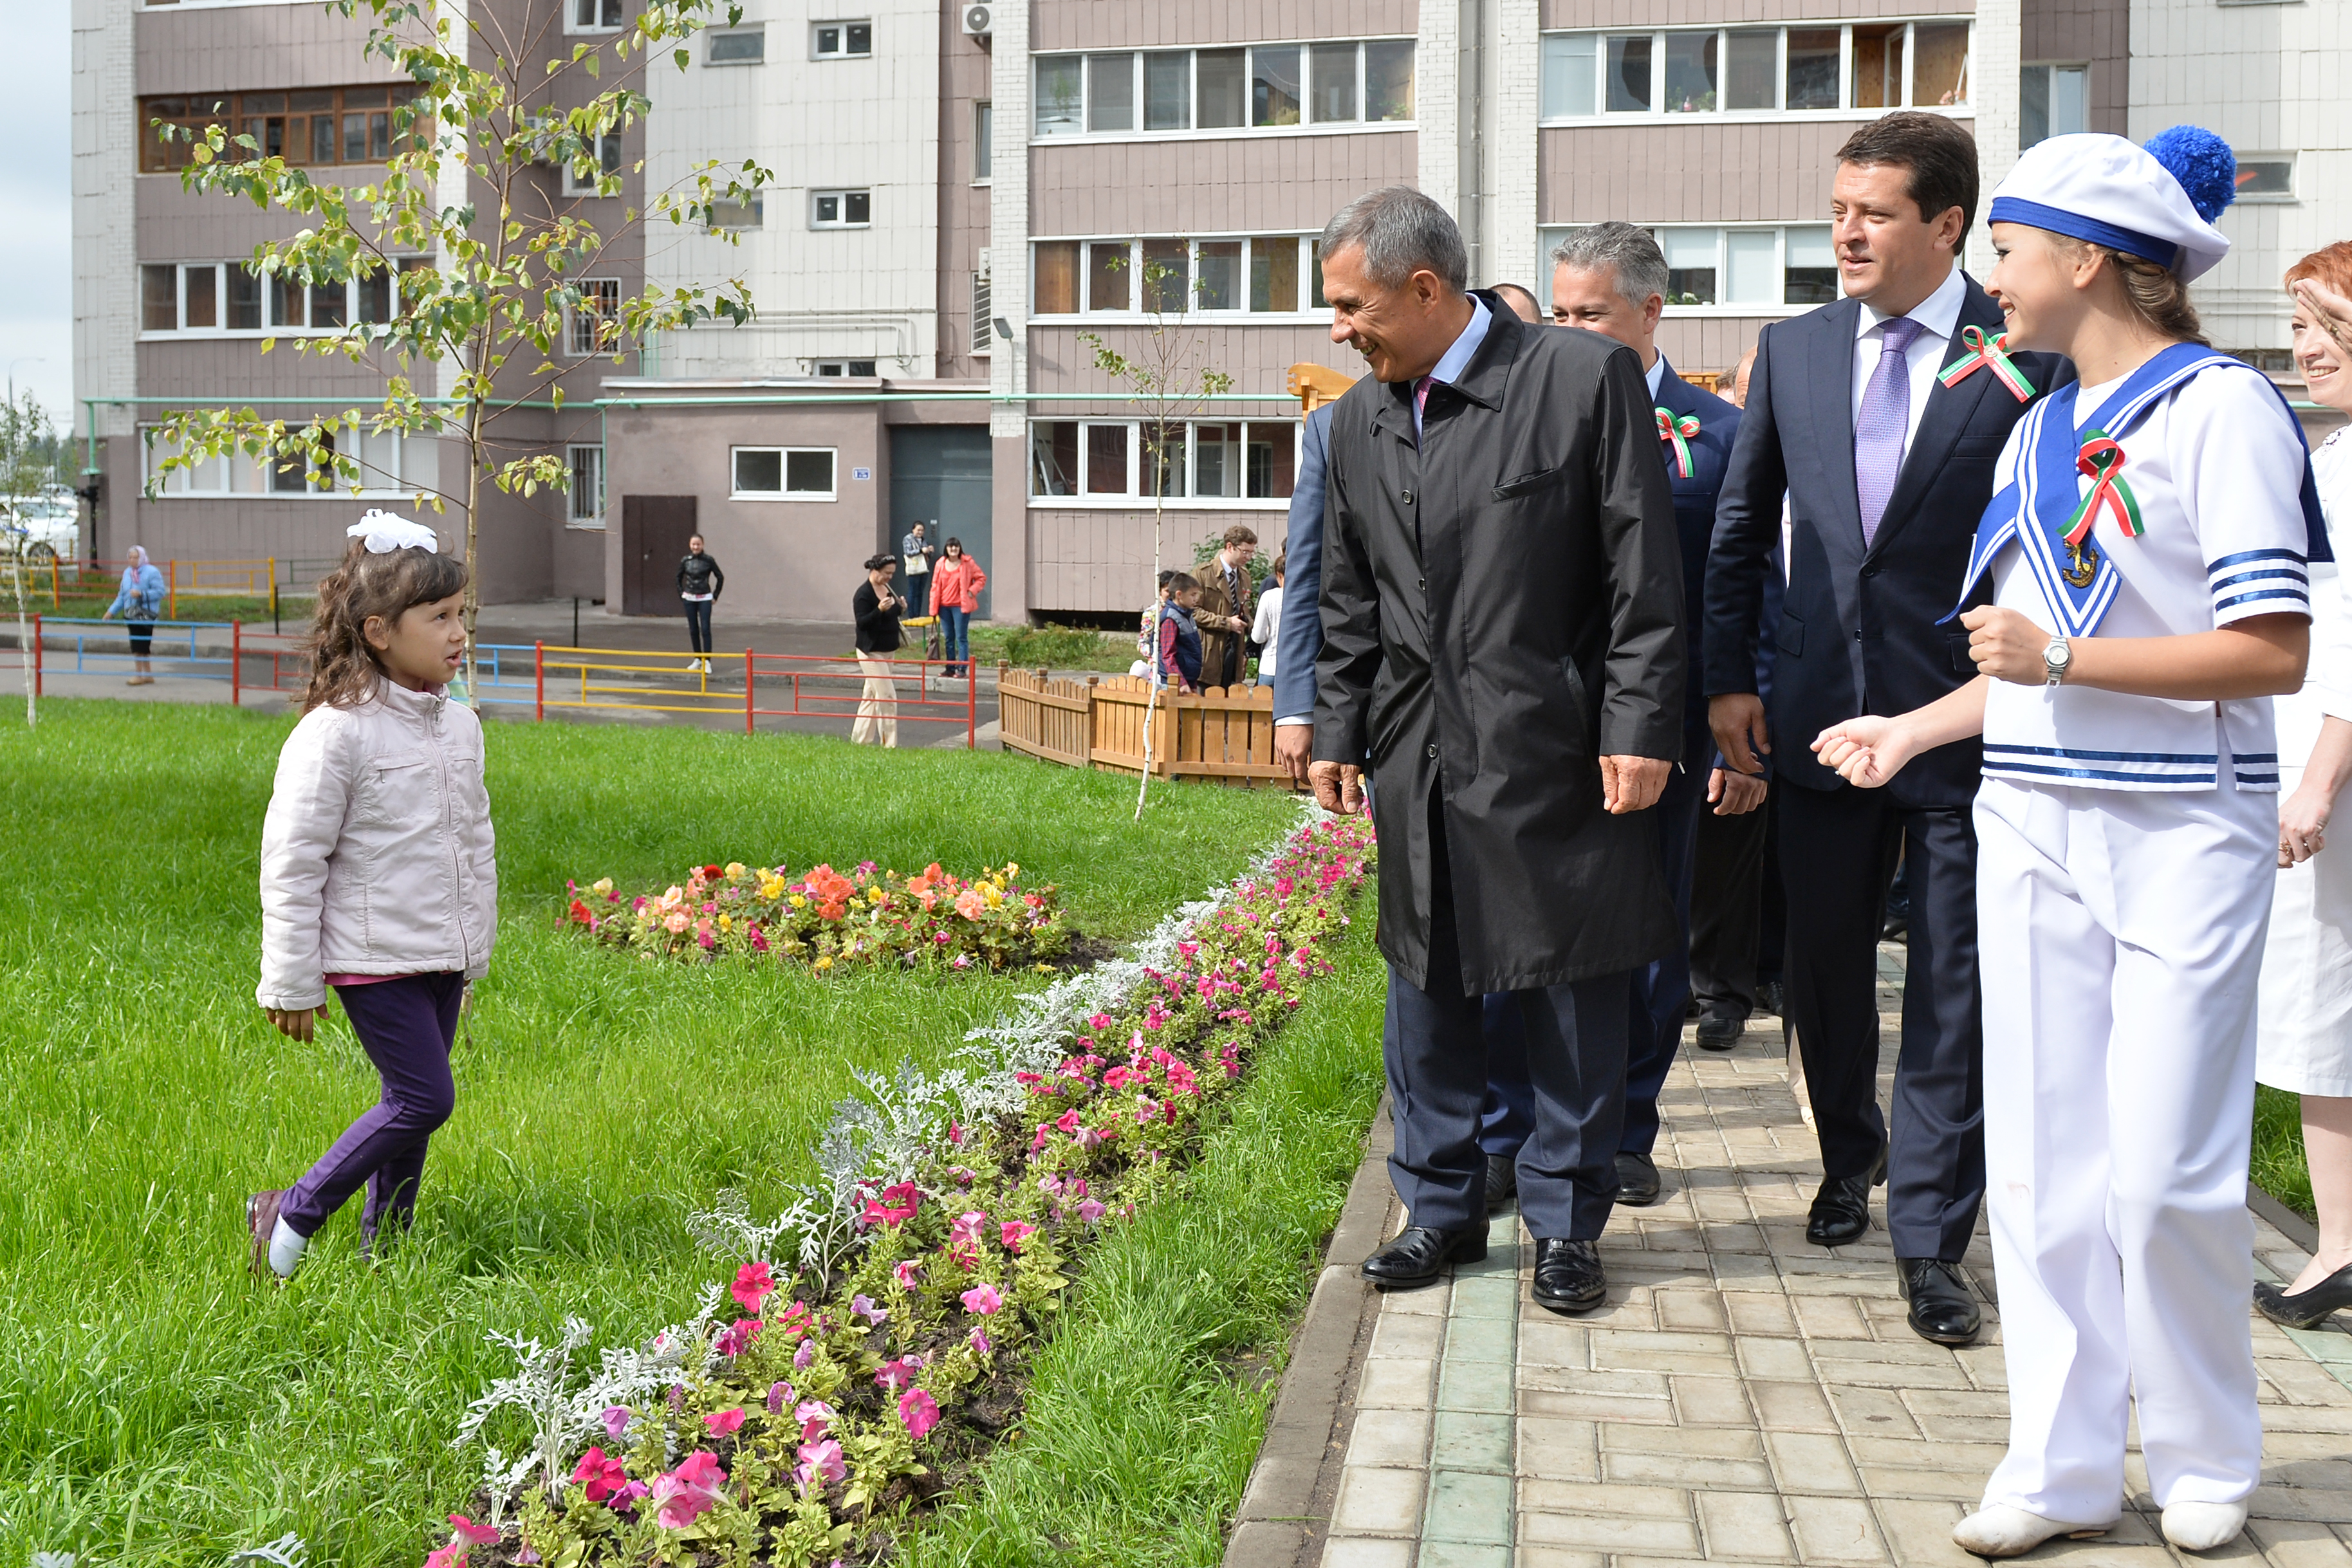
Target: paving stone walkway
column 1743, row 1396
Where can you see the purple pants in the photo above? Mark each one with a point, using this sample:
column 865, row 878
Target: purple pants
column 405, row 1026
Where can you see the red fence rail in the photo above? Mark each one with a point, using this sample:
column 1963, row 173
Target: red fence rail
column 820, row 685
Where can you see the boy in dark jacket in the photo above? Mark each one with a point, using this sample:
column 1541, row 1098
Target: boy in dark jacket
column 1179, row 660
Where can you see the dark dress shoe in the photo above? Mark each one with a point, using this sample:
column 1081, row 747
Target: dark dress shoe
column 1568, row 1275
column 1772, row 997
column 1420, row 1256
column 1637, row 1179
column 1942, row 1310
column 1502, row 1180
column 2306, row 1309
column 1841, row 1209
column 1721, row 1031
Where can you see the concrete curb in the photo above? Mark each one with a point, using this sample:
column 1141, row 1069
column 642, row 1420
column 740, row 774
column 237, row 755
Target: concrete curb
column 2286, row 1221
column 1286, row 1511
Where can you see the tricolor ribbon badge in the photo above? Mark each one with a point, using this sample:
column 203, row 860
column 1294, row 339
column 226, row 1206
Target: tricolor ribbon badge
column 1985, row 353
column 1678, row 431
column 2102, row 458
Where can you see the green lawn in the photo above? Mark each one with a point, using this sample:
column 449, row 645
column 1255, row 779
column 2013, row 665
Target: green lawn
column 2277, row 1166
column 156, row 1406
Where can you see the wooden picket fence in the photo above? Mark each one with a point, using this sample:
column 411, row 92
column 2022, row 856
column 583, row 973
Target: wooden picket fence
column 1220, row 734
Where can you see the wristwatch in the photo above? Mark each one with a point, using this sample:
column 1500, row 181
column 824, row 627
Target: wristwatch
column 2056, row 659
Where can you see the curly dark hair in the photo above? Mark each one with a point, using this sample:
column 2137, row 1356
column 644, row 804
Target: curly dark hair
column 343, row 669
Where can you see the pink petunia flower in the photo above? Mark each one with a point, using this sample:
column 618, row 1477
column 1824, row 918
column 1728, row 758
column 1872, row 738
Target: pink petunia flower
column 474, row 1534
column 980, row 1343
column 803, row 1356
column 815, row 1417
column 722, row 1422
column 688, row 1493
column 736, row 1337
column 896, row 1204
column 919, row 1411
column 616, row 1419
column 907, row 1272
column 863, row 1306
column 893, row 1376
column 821, row 1461
column 754, row 1283
column 450, row 1556
column 982, row 1299
column 1014, row 1233
column 1091, row 1211
column 780, row 1393
column 601, row 1475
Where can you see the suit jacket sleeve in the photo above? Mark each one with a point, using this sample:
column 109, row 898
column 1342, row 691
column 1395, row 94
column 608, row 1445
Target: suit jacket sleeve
column 1642, row 555
column 1350, row 660
column 1747, row 530
column 1300, row 637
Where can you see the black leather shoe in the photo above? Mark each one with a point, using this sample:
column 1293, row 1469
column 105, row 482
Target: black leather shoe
column 1841, row 1209
column 1637, row 1180
column 1772, row 997
column 1568, row 1275
column 1502, row 1181
column 1420, row 1256
column 1942, row 1310
column 1721, row 1031
column 2306, row 1309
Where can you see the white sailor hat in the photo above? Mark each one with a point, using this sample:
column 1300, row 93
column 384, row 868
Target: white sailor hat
column 2157, row 202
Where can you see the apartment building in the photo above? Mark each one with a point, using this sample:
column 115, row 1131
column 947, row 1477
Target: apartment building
column 973, row 203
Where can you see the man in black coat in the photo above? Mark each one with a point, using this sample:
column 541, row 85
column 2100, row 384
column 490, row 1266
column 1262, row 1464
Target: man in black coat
column 1859, row 414
column 1502, row 619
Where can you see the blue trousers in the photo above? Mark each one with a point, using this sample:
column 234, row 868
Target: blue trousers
column 1658, row 994
column 1435, row 1047
column 955, row 635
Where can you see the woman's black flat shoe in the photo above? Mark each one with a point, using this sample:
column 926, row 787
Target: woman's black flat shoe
column 2306, row 1309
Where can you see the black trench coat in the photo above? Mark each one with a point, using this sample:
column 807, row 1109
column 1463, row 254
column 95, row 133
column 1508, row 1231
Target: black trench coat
column 1501, row 608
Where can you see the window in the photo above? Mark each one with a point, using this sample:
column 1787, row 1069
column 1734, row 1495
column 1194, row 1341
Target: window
column 595, row 323
column 983, row 141
column 592, row 16
column 214, row 298
column 606, row 153
column 1743, row 271
column 2052, row 100
column 2266, row 174
column 782, row 472
column 1202, row 460
column 1265, row 86
column 841, row 40
column 318, row 126
column 845, row 367
column 841, row 209
column 1862, row 65
column 584, row 507
column 743, row 46
column 748, row 214
column 1258, row 275
column 390, row 463
column 983, row 331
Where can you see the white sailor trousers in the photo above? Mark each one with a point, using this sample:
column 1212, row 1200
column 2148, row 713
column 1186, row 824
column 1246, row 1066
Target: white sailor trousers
column 2121, row 939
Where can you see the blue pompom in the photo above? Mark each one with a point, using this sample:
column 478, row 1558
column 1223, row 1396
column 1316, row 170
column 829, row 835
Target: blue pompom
column 2202, row 163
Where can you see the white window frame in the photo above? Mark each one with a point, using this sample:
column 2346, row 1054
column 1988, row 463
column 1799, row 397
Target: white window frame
column 250, row 478
column 602, row 287
column 1602, row 115
column 2271, row 198
column 1309, row 278
column 1127, row 498
column 1193, row 131
column 574, row 517
column 272, row 326
column 755, row 211
column 833, row 369
column 2049, row 70
column 784, row 456
column 608, row 146
column 571, row 24
column 757, row 30
column 844, row 52
column 983, row 142
column 1552, row 234
column 841, row 194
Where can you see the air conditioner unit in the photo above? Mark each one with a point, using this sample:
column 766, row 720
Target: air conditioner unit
column 978, row 21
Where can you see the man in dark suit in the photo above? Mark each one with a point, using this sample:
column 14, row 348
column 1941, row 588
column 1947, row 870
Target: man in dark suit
column 1885, row 465
column 1611, row 278
column 1502, row 608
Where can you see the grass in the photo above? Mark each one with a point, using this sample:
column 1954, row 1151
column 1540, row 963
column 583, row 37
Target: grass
column 156, row 1406
column 1055, row 647
column 2277, row 1166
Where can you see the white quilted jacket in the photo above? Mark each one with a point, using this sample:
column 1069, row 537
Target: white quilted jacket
column 376, row 855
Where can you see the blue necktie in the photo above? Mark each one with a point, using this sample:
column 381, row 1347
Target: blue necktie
column 1885, row 422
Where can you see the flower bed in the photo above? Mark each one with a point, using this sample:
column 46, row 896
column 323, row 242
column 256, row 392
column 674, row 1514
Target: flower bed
column 870, row 1344
column 826, row 918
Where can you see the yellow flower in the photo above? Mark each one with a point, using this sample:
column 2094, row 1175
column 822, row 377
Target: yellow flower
column 734, row 869
column 875, row 896
column 825, row 962
column 772, row 887
column 800, row 900
column 995, row 895
column 726, row 923
column 1010, row 869
column 602, row 884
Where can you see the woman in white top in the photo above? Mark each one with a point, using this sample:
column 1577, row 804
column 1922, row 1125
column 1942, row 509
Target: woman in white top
column 1265, row 630
column 2146, row 545
column 2306, row 1041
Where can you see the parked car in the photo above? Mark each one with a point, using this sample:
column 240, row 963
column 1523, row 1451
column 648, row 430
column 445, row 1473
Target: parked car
column 43, row 530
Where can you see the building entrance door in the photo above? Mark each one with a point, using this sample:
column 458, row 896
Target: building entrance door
column 653, row 531
column 939, row 477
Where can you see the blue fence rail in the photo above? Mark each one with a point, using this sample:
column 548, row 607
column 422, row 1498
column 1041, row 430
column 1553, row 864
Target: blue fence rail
column 242, row 659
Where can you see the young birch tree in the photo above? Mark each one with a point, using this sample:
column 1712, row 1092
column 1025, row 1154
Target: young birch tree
column 501, row 263
column 26, row 466
column 1163, row 379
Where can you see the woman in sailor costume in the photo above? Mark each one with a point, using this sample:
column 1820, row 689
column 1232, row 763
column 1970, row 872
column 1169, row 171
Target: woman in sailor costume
column 2147, row 547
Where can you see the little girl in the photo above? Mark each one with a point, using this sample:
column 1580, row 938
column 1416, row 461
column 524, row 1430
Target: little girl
column 2146, row 544
column 376, row 871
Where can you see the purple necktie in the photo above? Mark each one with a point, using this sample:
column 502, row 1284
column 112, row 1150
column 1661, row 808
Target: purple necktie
column 1885, row 421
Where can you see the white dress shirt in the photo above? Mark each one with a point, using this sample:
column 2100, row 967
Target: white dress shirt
column 1657, row 373
column 1939, row 316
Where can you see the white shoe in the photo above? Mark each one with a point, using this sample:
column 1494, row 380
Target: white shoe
column 1998, row 1530
column 2202, row 1526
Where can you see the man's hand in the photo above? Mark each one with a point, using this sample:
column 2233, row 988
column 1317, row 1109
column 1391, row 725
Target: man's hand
column 295, row 1023
column 2007, row 646
column 1294, row 747
column 1236, row 623
column 1632, row 783
column 1338, row 787
column 1736, row 718
column 1733, row 794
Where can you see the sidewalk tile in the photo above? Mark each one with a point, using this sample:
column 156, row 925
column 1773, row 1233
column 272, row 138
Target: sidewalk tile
column 1685, row 1469
column 1469, row 1506
column 1407, row 1336
column 1959, row 1485
column 1690, row 1310
column 1713, row 1442
column 1745, row 1525
column 2294, row 1544
column 1550, row 1498
column 1551, row 1342
column 1784, row 1359
column 1878, row 1412
column 1480, row 1339
column 1810, row 1463
column 1712, row 1402
column 1558, row 1451
column 1356, row 1552
column 1836, row 1529
column 1464, row 1441
column 1378, row 1503
column 1487, row 1296
column 1755, row 1315
column 1919, row 1532
column 1559, row 1557
column 1436, row 1553
column 1791, row 1407
column 1672, row 1538
column 1390, row 1438
column 1403, row 1384
column 1595, row 1406
column 1477, row 1386
column 1585, row 1380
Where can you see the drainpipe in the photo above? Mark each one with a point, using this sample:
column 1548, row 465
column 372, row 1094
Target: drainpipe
column 1470, row 85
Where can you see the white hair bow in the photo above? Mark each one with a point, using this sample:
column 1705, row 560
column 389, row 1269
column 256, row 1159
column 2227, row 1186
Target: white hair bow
column 385, row 533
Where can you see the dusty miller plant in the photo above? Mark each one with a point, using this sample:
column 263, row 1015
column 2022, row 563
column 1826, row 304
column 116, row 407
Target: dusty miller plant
column 494, row 305
column 1163, row 379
